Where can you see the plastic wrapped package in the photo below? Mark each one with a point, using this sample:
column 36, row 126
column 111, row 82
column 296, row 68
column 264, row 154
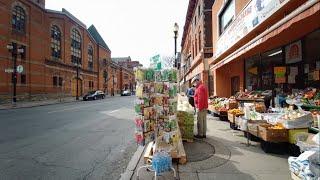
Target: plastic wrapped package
column 301, row 166
column 139, row 90
column 149, row 74
column 173, row 90
column 172, row 75
column 161, row 162
column 157, row 76
column 140, row 74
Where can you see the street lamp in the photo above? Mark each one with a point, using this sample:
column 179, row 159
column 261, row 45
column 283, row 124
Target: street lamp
column 77, row 96
column 15, row 51
column 175, row 31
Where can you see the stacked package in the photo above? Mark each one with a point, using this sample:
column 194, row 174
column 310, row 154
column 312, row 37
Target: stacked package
column 156, row 108
column 307, row 165
column 185, row 117
column 186, row 124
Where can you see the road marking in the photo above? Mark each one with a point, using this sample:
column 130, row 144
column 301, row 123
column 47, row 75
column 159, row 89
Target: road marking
column 77, row 107
column 114, row 111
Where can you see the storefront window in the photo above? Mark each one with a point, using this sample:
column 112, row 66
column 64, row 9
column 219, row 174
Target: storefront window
column 252, row 72
column 269, row 60
column 311, row 58
column 227, row 15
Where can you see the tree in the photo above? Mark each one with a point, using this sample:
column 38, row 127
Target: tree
column 167, row 62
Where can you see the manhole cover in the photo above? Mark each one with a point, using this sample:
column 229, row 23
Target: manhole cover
column 198, row 150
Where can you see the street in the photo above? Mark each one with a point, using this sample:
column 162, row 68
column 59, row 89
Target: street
column 80, row 140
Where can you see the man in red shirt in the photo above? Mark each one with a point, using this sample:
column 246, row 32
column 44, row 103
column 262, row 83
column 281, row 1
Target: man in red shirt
column 201, row 102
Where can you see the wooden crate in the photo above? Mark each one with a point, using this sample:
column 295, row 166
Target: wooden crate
column 231, row 117
column 233, row 105
column 253, row 127
column 272, row 135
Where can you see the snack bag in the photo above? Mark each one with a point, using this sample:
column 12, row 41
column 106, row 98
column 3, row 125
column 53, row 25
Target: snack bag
column 159, row 87
column 149, row 74
column 165, row 75
column 157, row 76
column 172, row 75
column 139, row 90
column 173, row 90
column 140, row 74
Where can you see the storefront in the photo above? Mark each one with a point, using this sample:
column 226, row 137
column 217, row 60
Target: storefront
column 284, row 57
column 293, row 66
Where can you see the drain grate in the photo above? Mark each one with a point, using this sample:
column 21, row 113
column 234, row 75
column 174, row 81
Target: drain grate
column 198, row 150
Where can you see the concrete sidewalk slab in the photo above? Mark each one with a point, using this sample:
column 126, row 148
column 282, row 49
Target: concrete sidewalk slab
column 232, row 159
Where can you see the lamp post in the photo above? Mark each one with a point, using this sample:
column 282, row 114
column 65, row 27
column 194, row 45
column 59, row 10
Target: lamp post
column 14, row 53
column 77, row 96
column 175, row 31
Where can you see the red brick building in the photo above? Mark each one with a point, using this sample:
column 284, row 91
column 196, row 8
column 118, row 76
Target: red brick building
column 56, row 44
column 196, row 45
column 127, row 62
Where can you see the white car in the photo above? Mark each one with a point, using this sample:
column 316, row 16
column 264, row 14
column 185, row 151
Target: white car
column 126, row 93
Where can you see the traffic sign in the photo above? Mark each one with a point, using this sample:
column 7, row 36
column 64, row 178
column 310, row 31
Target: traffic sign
column 20, row 69
column 8, row 70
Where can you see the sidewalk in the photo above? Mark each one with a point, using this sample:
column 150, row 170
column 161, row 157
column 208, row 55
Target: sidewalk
column 29, row 104
column 223, row 155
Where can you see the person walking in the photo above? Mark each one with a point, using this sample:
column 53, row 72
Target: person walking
column 201, row 103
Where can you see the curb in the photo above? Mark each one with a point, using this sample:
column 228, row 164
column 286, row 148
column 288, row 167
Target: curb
column 47, row 104
column 132, row 165
column 38, row 105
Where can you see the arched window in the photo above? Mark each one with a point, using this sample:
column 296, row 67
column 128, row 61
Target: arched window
column 18, row 19
column 90, row 57
column 75, row 47
column 55, row 42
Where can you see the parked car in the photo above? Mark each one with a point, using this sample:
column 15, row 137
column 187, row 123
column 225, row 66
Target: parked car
column 126, row 93
column 94, row 95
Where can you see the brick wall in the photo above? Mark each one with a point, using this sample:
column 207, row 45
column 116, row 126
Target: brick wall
column 39, row 66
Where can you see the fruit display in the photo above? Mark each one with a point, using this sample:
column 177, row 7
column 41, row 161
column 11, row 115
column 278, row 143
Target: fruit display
column 253, row 95
column 236, row 112
column 310, row 97
column 277, row 126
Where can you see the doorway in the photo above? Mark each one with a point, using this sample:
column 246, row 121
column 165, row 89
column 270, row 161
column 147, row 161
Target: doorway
column 74, row 87
column 235, row 85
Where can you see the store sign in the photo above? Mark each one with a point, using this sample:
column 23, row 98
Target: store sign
column 293, row 53
column 256, row 12
column 280, row 74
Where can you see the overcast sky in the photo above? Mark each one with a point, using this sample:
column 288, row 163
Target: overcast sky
column 136, row 28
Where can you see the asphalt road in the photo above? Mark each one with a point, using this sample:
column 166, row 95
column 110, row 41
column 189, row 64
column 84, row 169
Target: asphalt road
column 80, row 140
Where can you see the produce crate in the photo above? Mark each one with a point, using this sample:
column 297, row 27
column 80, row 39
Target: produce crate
column 294, row 176
column 253, row 127
column 231, row 117
column 272, row 135
column 294, row 132
column 233, row 105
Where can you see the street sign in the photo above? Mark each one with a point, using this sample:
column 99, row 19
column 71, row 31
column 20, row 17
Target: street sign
column 20, row 69
column 155, row 62
column 8, row 70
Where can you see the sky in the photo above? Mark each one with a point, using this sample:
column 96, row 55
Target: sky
column 136, row 28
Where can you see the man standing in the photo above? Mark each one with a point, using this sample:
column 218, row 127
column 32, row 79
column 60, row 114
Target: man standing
column 190, row 95
column 201, row 102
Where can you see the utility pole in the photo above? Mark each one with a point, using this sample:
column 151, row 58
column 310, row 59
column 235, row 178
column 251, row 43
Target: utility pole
column 13, row 48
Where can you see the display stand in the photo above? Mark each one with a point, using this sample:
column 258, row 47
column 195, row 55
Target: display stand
column 156, row 119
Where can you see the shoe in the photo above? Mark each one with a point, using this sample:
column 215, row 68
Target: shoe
column 197, row 136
